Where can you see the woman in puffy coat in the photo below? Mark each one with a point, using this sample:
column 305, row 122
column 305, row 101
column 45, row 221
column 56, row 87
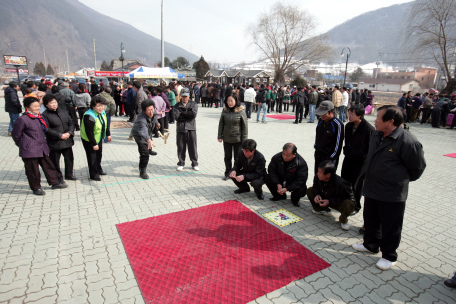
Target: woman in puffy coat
column 233, row 130
column 59, row 136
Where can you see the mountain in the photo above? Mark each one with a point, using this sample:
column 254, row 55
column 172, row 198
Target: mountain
column 29, row 27
column 372, row 32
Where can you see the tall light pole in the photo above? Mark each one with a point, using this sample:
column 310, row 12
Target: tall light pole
column 346, row 64
column 68, row 63
column 162, row 37
column 122, row 51
column 378, row 63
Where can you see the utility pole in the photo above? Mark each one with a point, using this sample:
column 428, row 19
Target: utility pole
column 162, row 37
column 378, row 63
column 44, row 52
column 68, row 63
column 94, row 55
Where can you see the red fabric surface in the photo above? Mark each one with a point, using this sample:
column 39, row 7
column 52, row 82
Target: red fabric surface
column 222, row 253
column 282, row 116
column 453, row 155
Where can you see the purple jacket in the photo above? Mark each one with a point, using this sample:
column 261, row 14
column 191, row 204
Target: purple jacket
column 160, row 106
column 165, row 98
column 28, row 134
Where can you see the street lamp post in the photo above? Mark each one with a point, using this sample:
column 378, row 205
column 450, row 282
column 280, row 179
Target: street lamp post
column 346, row 64
column 122, row 51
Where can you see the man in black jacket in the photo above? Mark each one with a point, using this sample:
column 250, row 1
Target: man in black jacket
column 301, row 98
column 395, row 158
column 249, row 167
column 185, row 113
column 329, row 135
column 287, row 171
column 357, row 137
column 363, row 97
column 12, row 104
column 331, row 191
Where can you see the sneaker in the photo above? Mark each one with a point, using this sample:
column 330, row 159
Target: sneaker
column 384, row 264
column 360, row 247
column 196, row 168
column 264, row 122
column 325, row 213
column 180, row 168
column 258, row 121
column 345, row 226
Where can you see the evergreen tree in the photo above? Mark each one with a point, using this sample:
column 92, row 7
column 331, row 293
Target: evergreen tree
column 49, row 70
column 39, row 69
column 201, row 67
column 167, row 63
column 357, row 74
column 299, row 82
column 104, row 66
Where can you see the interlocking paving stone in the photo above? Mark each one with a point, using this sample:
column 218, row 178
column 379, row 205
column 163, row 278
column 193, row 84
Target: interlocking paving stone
column 64, row 247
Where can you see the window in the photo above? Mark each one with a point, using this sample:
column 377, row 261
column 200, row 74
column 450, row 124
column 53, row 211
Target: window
column 408, row 77
column 257, row 80
column 411, row 86
column 395, row 77
column 372, row 86
column 422, row 78
column 402, row 77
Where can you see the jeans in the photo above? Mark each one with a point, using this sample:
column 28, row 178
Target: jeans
column 263, row 107
column 248, row 109
column 222, row 99
column 108, row 118
column 13, row 117
column 342, row 113
column 312, row 112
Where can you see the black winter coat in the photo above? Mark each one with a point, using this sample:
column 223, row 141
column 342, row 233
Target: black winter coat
column 391, row 164
column 185, row 116
column 59, row 122
column 296, row 175
column 252, row 171
column 261, row 96
column 329, row 138
column 12, row 103
column 357, row 145
column 363, row 98
column 336, row 190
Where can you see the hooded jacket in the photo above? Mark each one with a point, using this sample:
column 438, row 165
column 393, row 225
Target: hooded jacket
column 12, row 103
column 233, row 126
column 300, row 98
column 249, row 95
column 82, row 100
column 110, row 104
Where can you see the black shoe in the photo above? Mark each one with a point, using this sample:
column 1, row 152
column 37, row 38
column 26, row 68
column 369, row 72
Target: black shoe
column 279, row 198
column 171, row 122
column 39, row 192
column 102, row 173
column 354, row 212
column 296, row 204
column 152, row 152
column 239, row 191
column 310, row 122
column 362, row 230
column 300, row 121
column 98, row 179
column 295, row 122
column 71, row 178
column 59, row 186
column 143, row 174
column 155, row 136
column 260, row 195
column 448, row 282
column 78, row 129
column 115, row 115
column 225, row 178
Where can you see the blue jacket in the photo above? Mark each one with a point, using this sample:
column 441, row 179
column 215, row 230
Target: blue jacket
column 131, row 96
column 402, row 103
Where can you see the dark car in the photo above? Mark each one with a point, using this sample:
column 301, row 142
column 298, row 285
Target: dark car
column 105, row 80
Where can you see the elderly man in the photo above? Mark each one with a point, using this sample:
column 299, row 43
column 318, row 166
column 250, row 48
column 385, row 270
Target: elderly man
column 395, row 158
column 185, row 113
column 330, row 191
column 287, row 172
column 249, row 167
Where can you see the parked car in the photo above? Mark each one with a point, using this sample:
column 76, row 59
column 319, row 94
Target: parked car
column 34, row 78
column 349, row 86
column 105, row 80
column 49, row 77
column 81, row 79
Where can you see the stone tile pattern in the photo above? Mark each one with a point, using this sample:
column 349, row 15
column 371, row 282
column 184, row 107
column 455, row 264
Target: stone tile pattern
column 64, row 247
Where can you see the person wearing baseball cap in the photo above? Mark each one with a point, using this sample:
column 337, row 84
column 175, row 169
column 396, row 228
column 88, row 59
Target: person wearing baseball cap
column 49, row 87
column 329, row 135
column 185, row 113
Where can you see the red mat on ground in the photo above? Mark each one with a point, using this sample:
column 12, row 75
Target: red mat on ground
column 282, row 116
column 453, row 155
column 222, row 253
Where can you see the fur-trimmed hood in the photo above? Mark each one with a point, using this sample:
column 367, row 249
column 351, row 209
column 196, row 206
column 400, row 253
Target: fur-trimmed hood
column 236, row 109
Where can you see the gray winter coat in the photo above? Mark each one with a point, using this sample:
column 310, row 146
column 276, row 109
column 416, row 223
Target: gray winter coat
column 143, row 128
column 185, row 116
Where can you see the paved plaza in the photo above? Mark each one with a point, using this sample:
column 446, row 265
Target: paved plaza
column 64, row 247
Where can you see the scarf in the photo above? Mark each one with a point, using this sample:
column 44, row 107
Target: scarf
column 42, row 121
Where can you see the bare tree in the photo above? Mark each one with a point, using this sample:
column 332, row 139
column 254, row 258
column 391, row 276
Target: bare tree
column 286, row 36
column 430, row 34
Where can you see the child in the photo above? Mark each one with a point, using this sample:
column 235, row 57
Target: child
column 29, row 93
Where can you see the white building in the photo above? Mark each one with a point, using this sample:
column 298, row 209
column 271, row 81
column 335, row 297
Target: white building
column 388, row 85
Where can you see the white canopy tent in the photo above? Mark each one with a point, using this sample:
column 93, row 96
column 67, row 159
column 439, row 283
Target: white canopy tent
column 145, row 72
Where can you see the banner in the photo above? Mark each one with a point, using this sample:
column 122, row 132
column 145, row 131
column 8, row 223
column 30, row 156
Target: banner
column 13, row 71
column 106, row 73
column 15, row 60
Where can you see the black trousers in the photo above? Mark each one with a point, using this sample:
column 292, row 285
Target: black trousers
column 299, row 111
column 248, row 109
column 268, row 102
column 230, row 150
column 319, row 158
column 171, row 115
column 68, row 158
column 217, row 102
column 294, row 106
column 256, row 184
column 383, row 223
column 166, row 121
column 161, row 121
column 210, row 102
column 72, row 112
column 306, row 112
column 408, row 111
column 203, row 101
column 425, row 115
column 279, row 105
column 286, row 106
column 118, row 107
column 184, row 140
column 143, row 152
column 32, row 171
column 295, row 195
column 81, row 112
column 272, row 105
column 93, row 158
column 436, row 118
column 351, row 172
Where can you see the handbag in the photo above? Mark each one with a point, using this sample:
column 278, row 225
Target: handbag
column 450, row 119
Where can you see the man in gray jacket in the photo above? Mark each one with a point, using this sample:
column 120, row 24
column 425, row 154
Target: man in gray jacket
column 185, row 113
column 142, row 132
column 395, row 158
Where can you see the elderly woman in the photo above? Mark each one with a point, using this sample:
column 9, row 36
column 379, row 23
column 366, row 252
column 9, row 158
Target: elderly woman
column 109, row 106
column 94, row 129
column 82, row 101
column 233, row 130
column 28, row 134
column 59, row 136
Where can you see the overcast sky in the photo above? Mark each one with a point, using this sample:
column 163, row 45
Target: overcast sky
column 216, row 31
